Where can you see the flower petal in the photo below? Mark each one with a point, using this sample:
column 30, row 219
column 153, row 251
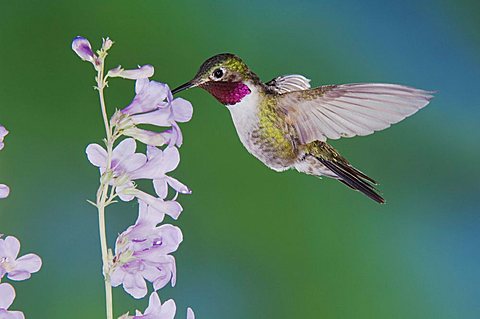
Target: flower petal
column 159, row 117
column 154, row 304
column 124, row 149
column 161, row 187
column 7, row 295
column 190, row 313
column 149, row 95
column 4, row 191
column 148, row 216
column 117, row 277
column 9, row 247
column 168, row 309
column 171, row 159
column 97, row 155
column 133, row 162
column 178, row 134
column 135, row 285
column 30, row 263
column 3, row 133
column 142, row 72
column 177, row 185
column 147, row 137
column 182, row 110
column 11, row 314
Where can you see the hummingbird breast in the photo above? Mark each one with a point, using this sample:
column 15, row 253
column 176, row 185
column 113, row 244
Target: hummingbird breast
column 263, row 131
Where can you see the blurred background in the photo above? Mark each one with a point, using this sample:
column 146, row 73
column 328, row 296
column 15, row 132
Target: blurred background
column 258, row 244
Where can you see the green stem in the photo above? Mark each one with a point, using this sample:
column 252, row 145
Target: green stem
column 102, row 196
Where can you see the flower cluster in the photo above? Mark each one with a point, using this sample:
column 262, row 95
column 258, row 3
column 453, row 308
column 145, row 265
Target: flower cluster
column 143, row 252
column 4, row 189
column 14, row 269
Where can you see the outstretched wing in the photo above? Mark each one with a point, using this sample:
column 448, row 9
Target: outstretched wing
column 288, row 83
column 331, row 112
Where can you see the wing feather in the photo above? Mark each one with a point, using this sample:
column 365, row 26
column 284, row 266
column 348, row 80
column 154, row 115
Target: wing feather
column 288, row 83
column 331, row 112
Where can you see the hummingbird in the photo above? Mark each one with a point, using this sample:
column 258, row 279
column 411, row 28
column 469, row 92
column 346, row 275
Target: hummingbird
column 286, row 124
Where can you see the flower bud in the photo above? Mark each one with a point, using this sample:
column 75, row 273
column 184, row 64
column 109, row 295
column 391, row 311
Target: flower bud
column 107, row 44
column 83, row 49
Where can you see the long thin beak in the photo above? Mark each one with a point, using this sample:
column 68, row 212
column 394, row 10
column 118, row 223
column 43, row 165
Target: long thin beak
column 183, row 87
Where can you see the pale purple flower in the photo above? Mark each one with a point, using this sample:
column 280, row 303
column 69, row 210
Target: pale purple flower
column 142, row 72
column 7, row 296
column 124, row 158
column 149, row 107
column 125, row 161
column 142, row 253
column 148, row 137
column 16, row 268
column 4, row 191
column 3, row 133
column 83, row 49
column 160, row 163
column 157, row 310
column 149, row 94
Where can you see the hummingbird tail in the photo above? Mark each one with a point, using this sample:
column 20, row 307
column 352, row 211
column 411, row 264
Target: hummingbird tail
column 353, row 178
column 321, row 159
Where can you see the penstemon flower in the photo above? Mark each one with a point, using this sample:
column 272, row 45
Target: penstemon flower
column 7, row 296
column 143, row 252
column 16, row 268
column 157, row 310
column 13, row 267
column 126, row 166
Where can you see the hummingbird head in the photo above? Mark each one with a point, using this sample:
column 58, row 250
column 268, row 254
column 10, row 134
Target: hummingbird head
column 225, row 76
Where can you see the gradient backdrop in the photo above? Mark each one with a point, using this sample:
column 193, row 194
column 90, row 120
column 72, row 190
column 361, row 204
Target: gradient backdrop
column 258, row 244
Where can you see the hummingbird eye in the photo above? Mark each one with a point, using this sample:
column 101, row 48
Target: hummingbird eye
column 218, row 73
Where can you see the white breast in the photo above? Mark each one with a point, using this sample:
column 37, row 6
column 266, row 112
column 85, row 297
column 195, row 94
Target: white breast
column 244, row 115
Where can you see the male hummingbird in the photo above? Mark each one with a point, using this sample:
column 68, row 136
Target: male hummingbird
column 285, row 123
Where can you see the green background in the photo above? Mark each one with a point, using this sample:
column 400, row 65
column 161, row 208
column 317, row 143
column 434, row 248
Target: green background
column 258, row 244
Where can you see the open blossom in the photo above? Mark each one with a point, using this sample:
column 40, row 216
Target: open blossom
column 142, row 253
column 4, row 189
column 16, row 268
column 154, row 104
column 159, row 163
column 124, row 165
column 7, row 296
column 157, row 310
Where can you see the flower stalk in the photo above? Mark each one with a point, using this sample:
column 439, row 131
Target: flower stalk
column 142, row 252
column 102, row 193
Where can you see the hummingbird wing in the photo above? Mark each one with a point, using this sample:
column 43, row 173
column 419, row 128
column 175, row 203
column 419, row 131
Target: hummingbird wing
column 334, row 111
column 288, row 83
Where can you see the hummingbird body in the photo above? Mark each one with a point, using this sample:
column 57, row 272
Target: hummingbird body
column 285, row 124
column 263, row 131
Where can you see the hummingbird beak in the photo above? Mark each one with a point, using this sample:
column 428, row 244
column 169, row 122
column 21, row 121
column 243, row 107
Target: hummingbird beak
column 183, row 87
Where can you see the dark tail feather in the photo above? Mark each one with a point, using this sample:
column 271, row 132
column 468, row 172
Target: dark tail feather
column 353, row 178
